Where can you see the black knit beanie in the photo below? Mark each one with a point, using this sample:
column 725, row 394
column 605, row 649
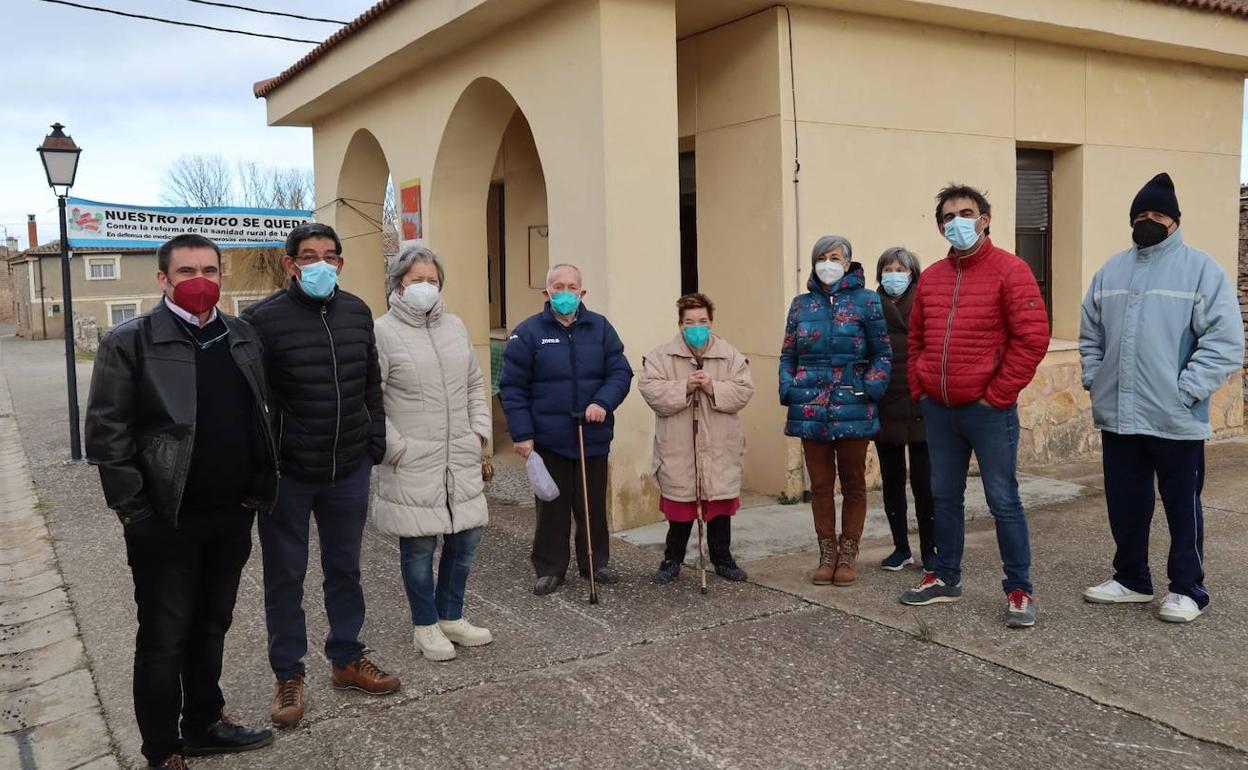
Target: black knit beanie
column 1157, row 195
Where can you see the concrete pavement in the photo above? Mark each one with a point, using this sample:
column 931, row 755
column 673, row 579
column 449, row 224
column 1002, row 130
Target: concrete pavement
column 50, row 716
column 756, row 675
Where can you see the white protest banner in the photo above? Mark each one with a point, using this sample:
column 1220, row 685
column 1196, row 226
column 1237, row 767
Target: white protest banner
column 107, row 225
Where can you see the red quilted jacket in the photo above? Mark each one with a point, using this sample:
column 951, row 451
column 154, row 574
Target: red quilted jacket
column 978, row 329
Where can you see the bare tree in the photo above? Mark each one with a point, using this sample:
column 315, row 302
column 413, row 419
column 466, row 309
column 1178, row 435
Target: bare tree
column 198, row 180
column 267, row 187
column 389, row 220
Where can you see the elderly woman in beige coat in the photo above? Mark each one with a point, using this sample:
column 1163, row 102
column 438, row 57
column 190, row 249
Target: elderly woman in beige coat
column 437, row 426
column 697, row 363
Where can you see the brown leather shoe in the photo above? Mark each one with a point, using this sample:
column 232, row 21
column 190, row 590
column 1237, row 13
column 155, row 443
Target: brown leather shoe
column 822, row 575
column 287, row 707
column 846, row 568
column 365, row 676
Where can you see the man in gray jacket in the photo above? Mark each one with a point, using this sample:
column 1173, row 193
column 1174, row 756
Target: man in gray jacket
column 1160, row 332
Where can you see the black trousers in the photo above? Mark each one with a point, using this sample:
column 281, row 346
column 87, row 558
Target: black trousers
column 185, row 585
column 718, row 539
column 893, row 480
column 555, row 519
column 1131, row 464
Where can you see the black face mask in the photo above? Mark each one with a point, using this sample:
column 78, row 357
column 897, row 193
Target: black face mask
column 1147, row 233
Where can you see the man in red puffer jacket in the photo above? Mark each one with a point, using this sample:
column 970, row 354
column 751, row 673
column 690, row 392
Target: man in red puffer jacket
column 978, row 330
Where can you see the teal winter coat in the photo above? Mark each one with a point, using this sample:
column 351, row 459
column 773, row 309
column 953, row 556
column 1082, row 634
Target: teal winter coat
column 835, row 360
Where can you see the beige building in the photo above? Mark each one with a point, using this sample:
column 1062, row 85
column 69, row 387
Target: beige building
column 111, row 286
column 664, row 145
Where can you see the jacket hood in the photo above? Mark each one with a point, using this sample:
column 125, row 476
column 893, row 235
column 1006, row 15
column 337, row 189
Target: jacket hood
column 1170, row 245
column 855, row 278
column 412, row 317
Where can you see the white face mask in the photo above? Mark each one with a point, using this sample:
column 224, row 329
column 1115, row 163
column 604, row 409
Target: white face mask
column 421, row 297
column 830, row 272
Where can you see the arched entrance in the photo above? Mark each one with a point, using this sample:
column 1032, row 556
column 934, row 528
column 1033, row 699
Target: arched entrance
column 359, row 220
column 488, row 220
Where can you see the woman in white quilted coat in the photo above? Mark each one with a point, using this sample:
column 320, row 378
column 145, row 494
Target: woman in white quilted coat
column 437, row 426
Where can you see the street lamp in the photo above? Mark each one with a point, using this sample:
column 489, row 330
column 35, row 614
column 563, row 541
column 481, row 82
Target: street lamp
column 60, row 161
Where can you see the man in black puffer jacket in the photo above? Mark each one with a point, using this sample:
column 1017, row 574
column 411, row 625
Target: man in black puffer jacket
column 321, row 360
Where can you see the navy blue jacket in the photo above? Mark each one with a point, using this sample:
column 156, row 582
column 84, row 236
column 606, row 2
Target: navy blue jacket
column 551, row 371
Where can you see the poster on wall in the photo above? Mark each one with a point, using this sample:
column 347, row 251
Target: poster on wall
column 412, row 231
column 92, row 223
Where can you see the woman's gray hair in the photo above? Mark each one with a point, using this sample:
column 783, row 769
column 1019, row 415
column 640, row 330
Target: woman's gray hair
column 829, row 242
column 403, row 261
column 902, row 256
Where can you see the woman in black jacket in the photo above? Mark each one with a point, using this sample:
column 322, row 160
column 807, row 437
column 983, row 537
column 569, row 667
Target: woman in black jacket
column 901, row 420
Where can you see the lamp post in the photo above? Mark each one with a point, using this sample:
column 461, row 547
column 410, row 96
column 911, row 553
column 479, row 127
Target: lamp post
column 60, row 161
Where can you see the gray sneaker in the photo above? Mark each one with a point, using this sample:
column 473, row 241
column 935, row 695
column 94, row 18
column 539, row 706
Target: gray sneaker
column 1020, row 609
column 931, row 590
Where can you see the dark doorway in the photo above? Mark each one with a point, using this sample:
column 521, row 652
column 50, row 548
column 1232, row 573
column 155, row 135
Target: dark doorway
column 496, row 246
column 688, row 224
column 1033, row 232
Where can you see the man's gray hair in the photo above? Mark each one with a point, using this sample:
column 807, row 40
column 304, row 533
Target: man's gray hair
column 550, row 274
column 902, row 256
column 829, row 242
column 403, row 261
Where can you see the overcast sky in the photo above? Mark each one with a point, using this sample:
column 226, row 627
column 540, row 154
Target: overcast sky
column 136, row 94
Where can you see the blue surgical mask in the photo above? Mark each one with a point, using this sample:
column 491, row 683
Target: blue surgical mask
column 318, row 279
column 961, row 232
column 696, row 336
column 565, row 303
column 895, row 283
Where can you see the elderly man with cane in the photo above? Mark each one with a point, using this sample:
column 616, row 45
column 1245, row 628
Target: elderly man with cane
column 564, row 375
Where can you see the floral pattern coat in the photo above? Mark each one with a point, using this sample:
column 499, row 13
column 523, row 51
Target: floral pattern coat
column 835, row 360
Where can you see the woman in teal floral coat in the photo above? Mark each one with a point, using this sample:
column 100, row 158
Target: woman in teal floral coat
column 834, row 368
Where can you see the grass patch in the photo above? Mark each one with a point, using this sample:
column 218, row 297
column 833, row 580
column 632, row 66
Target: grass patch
column 84, row 355
column 926, row 631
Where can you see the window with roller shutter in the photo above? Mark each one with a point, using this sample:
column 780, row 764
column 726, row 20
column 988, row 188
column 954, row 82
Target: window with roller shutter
column 1033, row 236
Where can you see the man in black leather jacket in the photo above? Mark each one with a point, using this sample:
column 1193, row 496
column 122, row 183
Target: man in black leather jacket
column 321, row 359
column 177, row 423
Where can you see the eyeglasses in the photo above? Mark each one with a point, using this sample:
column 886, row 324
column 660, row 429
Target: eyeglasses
column 310, row 257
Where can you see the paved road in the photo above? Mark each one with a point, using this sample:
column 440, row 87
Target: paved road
column 750, row 676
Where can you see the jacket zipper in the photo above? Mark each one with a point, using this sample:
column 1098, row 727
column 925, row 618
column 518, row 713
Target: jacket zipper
column 576, row 388
column 446, row 402
column 944, row 353
column 333, row 355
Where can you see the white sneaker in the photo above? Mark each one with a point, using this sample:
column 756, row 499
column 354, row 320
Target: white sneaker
column 1113, row 592
column 1177, row 608
column 465, row 634
column 432, row 643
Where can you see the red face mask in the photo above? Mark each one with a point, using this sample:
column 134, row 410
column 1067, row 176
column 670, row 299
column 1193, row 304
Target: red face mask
column 196, row 295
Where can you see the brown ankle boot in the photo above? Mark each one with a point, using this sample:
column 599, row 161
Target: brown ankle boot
column 822, row 575
column 365, row 676
column 287, row 707
column 846, row 571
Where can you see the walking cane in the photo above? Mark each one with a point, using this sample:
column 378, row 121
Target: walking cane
column 697, row 481
column 589, row 540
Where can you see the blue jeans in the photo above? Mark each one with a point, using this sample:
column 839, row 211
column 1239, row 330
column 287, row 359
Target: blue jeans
column 992, row 434
column 340, row 509
column 446, row 601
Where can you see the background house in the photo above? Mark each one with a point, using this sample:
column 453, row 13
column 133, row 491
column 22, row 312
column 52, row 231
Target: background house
column 673, row 145
column 114, row 285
